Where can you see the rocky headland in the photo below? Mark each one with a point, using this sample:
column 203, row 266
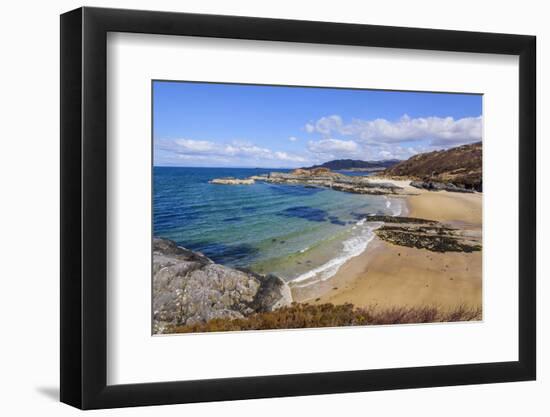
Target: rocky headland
column 455, row 169
column 321, row 178
column 189, row 288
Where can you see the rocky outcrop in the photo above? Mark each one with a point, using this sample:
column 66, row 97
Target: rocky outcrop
column 440, row 186
column 232, row 181
column 425, row 234
column 315, row 172
column 189, row 288
column 325, row 178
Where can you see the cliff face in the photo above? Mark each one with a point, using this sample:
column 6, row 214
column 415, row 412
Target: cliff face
column 189, row 288
column 461, row 166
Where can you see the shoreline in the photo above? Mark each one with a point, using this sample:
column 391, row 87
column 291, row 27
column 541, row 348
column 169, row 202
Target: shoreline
column 388, row 275
column 312, row 277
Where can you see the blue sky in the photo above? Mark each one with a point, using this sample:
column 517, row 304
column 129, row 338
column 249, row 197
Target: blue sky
column 234, row 125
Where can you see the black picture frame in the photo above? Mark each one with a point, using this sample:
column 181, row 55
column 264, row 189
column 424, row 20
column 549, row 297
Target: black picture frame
column 84, row 207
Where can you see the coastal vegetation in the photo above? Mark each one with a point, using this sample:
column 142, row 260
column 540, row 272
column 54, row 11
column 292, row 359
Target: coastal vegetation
column 303, row 315
column 460, row 166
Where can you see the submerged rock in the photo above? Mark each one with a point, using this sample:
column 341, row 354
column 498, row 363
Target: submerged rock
column 189, row 288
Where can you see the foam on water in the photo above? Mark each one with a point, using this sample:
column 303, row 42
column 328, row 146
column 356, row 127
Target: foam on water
column 351, row 247
column 362, row 235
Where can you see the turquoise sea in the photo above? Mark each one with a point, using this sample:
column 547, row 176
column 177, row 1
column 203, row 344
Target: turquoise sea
column 300, row 234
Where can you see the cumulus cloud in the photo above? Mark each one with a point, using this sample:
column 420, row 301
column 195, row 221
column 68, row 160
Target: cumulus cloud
column 293, row 138
column 192, row 146
column 284, row 156
column 327, row 125
column 333, row 147
column 438, row 131
column 238, row 153
column 325, row 149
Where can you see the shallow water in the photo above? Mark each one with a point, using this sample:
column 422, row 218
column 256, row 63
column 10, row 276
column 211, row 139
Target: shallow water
column 298, row 233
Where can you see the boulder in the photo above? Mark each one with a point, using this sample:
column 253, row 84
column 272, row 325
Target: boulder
column 189, row 288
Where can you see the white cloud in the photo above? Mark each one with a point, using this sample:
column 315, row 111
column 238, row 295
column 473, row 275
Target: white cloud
column 284, row 156
column 309, row 127
column 328, row 124
column 237, row 153
column 333, row 147
column 326, row 149
column 293, row 138
column 194, row 146
column 437, row 131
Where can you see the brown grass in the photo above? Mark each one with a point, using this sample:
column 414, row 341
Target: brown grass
column 300, row 316
column 461, row 165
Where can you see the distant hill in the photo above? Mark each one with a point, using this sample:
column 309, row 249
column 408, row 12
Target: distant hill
column 345, row 164
column 461, row 166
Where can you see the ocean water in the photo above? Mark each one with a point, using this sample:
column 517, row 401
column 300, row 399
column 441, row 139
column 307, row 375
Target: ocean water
column 298, row 233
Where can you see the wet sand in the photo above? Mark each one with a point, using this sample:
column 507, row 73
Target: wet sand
column 389, row 275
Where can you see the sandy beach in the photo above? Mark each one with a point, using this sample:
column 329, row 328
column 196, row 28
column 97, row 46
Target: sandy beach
column 390, row 275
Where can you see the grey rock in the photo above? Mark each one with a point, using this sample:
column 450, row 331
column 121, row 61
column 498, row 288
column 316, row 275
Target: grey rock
column 189, row 288
column 440, row 186
column 328, row 179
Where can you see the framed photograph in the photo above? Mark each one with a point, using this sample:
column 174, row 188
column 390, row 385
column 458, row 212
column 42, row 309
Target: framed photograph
column 257, row 208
